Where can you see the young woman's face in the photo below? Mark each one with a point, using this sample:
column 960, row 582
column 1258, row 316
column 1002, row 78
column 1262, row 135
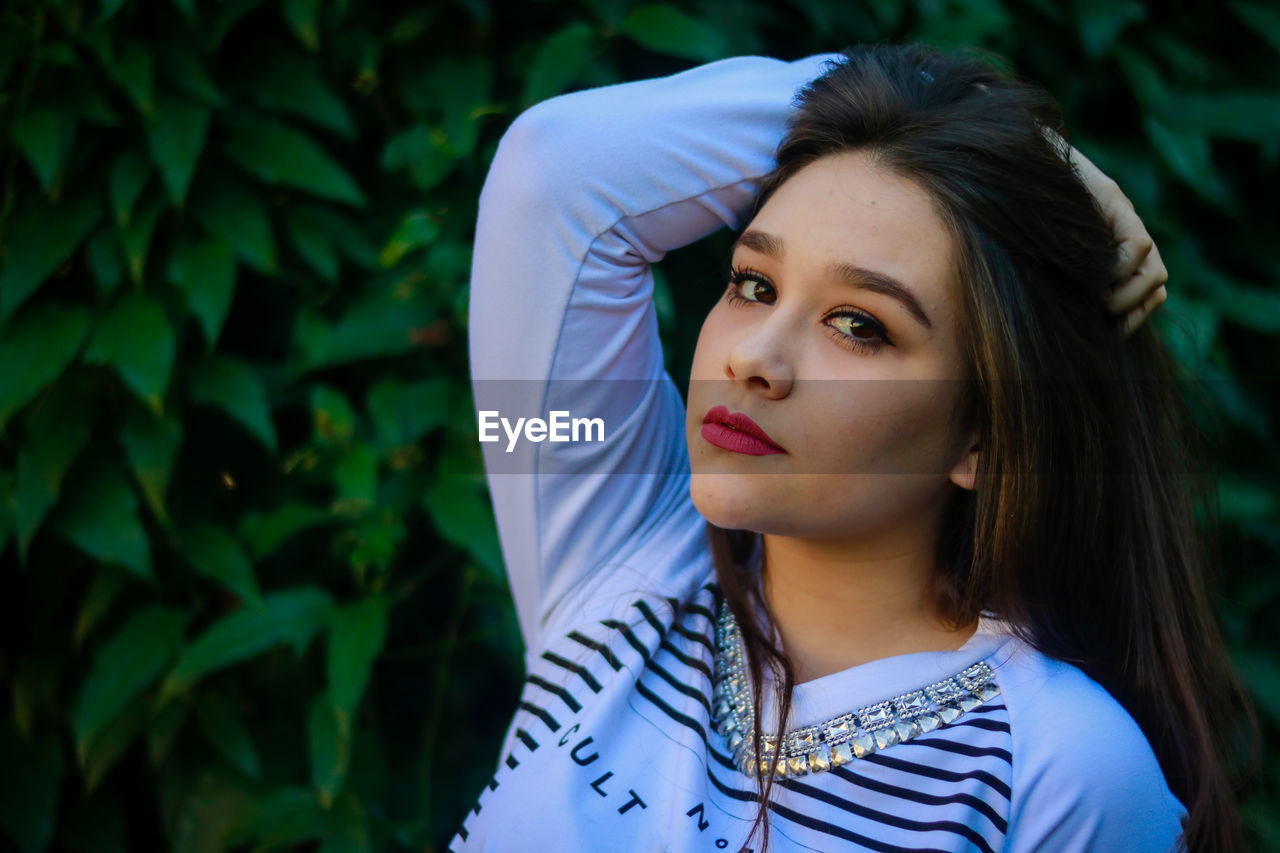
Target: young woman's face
column 867, row 424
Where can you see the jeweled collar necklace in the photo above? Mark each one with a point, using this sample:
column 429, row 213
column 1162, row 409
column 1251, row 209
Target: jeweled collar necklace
column 813, row 749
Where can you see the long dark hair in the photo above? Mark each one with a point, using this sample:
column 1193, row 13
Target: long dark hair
column 1082, row 528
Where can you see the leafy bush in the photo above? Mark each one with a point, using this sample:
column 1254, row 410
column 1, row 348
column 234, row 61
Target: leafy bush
column 254, row 599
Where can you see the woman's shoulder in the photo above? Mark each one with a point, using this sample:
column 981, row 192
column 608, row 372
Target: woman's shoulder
column 1085, row 776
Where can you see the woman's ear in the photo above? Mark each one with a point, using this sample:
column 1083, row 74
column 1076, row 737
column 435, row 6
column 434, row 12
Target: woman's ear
column 965, row 472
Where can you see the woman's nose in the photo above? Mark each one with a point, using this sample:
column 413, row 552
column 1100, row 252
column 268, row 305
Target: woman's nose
column 761, row 361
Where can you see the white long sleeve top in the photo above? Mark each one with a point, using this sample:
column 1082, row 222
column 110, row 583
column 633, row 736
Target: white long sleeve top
column 612, row 747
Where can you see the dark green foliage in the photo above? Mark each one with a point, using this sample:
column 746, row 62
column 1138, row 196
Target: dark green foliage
column 253, row 597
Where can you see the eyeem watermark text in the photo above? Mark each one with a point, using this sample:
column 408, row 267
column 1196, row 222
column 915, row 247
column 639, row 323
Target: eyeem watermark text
column 560, row 427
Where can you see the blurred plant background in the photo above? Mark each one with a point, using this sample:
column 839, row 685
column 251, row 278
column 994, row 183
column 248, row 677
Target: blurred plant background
column 249, row 601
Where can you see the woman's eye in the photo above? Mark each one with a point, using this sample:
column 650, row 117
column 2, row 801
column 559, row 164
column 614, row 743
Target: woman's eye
column 856, row 326
column 747, row 286
column 852, row 329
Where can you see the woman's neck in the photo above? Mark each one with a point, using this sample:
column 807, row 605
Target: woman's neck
column 838, row 605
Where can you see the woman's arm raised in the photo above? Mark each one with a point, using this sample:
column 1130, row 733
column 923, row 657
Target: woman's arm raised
column 586, row 191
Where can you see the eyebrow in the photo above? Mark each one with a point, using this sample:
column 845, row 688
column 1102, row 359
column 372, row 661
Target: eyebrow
column 855, row 276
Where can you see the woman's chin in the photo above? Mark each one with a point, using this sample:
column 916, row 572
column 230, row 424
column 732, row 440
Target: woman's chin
column 728, row 500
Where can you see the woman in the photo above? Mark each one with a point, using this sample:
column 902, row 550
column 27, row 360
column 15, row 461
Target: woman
column 946, row 598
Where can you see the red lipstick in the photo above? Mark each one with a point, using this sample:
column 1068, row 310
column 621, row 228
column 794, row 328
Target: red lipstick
column 737, row 432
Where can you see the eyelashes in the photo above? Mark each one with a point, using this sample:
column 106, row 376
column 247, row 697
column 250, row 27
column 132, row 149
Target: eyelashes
column 855, row 321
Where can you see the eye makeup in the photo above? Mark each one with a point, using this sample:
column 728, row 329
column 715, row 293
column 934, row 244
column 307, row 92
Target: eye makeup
column 744, row 279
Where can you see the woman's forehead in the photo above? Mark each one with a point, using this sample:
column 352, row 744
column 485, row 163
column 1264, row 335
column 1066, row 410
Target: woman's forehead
column 845, row 209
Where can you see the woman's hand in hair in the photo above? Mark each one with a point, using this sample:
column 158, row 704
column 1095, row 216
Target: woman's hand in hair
column 1140, row 280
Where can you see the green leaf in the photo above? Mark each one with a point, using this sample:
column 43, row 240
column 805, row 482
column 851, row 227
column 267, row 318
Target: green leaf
column 1243, row 501
column 106, row 260
column 665, row 29
column 235, row 387
column 356, row 477
column 422, row 151
column 227, row 14
column 263, row 533
column 278, row 820
column 100, row 517
column 1261, row 674
column 314, row 242
column 205, row 271
column 57, row 431
column 413, row 24
column 349, row 829
column 151, row 444
column 133, row 72
column 176, row 135
column 286, row 82
column 1242, row 115
column 1102, row 22
column 114, row 741
column 37, row 241
column 163, row 730
column 135, row 338
column 100, row 42
column 387, row 319
column 1193, row 66
column 29, row 799
column 404, row 413
column 35, row 349
column 1189, row 157
column 558, row 62
column 209, row 809
column 219, row 719
column 221, row 559
column 463, row 85
column 312, row 334
column 1143, row 77
column 416, row 229
column 329, row 741
column 279, row 155
column 346, row 233
column 109, row 9
column 302, row 17
column 85, row 98
column 465, row 518
column 129, row 174
column 332, row 416
column 135, row 237
column 378, row 536
column 357, row 633
column 127, row 664
column 1260, row 18
column 290, row 616
column 233, row 212
column 45, row 138
column 103, row 591
column 184, row 70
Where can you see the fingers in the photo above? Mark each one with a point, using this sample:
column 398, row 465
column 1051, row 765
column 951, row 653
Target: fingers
column 1140, row 273
column 1135, row 318
column 1149, row 275
column 1135, row 243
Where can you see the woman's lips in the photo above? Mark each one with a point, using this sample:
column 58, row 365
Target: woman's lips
column 737, row 432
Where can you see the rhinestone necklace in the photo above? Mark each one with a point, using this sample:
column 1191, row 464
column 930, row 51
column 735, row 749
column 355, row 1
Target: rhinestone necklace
column 813, row 749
